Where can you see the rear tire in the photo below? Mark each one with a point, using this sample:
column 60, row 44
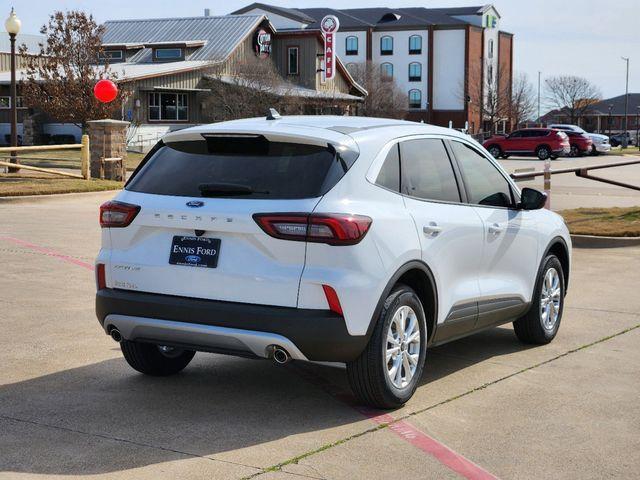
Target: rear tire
column 155, row 360
column 575, row 151
column 543, row 152
column 372, row 376
column 540, row 325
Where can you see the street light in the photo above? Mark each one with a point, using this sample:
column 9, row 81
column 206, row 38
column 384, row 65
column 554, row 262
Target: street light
column 13, row 24
column 625, row 126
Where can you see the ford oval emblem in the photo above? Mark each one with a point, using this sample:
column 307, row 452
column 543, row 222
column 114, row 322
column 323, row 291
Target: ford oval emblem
column 195, row 204
column 192, row 258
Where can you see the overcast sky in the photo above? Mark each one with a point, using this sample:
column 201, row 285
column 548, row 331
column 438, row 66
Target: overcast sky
column 578, row 37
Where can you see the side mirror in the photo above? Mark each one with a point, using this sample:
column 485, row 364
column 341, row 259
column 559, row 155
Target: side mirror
column 532, row 199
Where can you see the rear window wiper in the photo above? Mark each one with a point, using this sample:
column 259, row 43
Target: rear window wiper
column 227, row 190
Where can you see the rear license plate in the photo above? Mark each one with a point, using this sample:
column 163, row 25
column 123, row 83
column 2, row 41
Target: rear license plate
column 195, row 251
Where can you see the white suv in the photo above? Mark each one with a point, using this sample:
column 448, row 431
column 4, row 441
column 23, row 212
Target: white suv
column 600, row 142
column 336, row 239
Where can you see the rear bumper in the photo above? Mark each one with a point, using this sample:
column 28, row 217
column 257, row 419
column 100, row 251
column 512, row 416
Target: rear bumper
column 227, row 327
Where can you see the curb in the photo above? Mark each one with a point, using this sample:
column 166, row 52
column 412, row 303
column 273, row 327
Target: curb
column 592, row 241
column 51, row 196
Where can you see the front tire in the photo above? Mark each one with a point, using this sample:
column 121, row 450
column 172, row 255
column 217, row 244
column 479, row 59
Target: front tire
column 543, row 152
column 155, row 360
column 495, row 151
column 540, row 325
column 387, row 373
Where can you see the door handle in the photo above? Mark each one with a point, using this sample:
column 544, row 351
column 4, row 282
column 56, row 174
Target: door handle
column 432, row 230
column 495, row 229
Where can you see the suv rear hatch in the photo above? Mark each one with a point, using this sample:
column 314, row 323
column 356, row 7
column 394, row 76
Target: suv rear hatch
column 195, row 235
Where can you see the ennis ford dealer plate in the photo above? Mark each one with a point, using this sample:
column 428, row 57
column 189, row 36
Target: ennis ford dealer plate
column 195, row 251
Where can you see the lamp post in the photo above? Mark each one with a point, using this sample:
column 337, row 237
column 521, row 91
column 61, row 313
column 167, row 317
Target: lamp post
column 625, row 140
column 13, row 24
column 610, row 108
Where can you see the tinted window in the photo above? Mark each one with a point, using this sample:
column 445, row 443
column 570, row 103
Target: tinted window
column 389, row 176
column 426, row 171
column 266, row 169
column 517, row 134
column 485, row 184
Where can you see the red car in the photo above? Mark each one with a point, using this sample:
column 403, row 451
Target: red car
column 581, row 144
column 541, row 142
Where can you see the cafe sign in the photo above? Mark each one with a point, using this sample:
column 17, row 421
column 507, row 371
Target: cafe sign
column 262, row 43
column 329, row 27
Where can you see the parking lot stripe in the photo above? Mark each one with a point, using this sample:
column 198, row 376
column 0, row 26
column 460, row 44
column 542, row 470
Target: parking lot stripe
column 48, row 251
column 429, row 445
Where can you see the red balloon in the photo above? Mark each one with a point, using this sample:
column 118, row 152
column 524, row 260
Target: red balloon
column 105, row 91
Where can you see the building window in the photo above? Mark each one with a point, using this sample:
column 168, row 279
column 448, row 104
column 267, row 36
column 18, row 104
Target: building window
column 491, row 48
column 415, row 45
column 292, row 61
column 167, row 54
column 5, row 102
column 490, row 74
column 168, row 107
column 386, row 45
column 386, row 70
column 351, row 45
column 111, row 56
column 415, row 98
column 415, row 72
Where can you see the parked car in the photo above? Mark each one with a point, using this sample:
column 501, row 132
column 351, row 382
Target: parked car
column 339, row 239
column 541, row 142
column 580, row 143
column 616, row 140
column 600, row 142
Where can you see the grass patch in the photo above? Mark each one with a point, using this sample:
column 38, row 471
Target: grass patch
column 605, row 222
column 66, row 159
column 20, row 185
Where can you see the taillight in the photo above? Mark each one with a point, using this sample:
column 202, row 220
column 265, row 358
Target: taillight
column 117, row 214
column 101, row 278
column 332, row 228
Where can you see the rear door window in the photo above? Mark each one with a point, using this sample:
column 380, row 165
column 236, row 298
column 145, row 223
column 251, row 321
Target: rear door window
column 426, row 171
column 240, row 168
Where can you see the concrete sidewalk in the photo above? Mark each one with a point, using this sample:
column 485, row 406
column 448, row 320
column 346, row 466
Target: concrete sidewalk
column 70, row 406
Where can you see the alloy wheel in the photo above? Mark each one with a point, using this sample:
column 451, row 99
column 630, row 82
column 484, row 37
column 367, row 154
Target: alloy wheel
column 403, row 347
column 550, row 298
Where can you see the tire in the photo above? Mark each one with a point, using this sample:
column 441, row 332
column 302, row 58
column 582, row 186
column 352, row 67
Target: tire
column 594, row 151
column 150, row 359
column 575, row 151
column 543, row 152
column 495, row 151
column 370, row 374
column 534, row 327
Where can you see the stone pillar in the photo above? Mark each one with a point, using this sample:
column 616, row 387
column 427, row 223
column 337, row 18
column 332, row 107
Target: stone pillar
column 108, row 139
column 31, row 128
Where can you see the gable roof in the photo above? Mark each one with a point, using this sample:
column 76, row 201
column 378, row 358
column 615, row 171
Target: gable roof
column 374, row 17
column 219, row 35
column 602, row 107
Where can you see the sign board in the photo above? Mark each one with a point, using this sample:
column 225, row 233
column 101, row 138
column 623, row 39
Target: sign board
column 329, row 27
column 262, row 43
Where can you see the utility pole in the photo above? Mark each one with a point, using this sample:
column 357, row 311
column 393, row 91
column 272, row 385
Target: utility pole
column 625, row 140
column 539, row 80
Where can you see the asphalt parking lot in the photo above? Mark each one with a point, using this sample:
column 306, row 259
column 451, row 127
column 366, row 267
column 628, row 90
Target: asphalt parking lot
column 488, row 406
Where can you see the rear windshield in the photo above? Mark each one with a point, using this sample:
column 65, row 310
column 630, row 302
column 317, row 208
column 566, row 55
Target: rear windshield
column 239, row 168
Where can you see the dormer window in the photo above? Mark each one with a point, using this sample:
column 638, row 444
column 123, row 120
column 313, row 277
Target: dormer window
column 168, row 54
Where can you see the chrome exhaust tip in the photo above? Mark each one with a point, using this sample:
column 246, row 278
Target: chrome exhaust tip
column 280, row 355
column 115, row 334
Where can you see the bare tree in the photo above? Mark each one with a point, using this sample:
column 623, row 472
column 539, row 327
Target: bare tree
column 523, row 101
column 249, row 89
column 385, row 99
column 572, row 95
column 59, row 81
column 491, row 97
